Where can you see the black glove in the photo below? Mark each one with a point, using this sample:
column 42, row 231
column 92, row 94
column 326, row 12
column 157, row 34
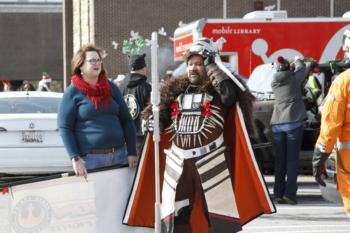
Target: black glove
column 210, row 59
column 319, row 166
column 215, row 74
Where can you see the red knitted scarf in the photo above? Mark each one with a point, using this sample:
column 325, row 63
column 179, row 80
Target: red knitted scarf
column 100, row 94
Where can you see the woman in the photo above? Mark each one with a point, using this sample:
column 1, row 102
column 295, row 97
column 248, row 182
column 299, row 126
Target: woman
column 287, row 122
column 93, row 119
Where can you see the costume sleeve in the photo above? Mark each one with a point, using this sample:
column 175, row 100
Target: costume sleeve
column 280, row 77
column 333, row 114
column 126, row 121
column 66, row 122
column 300, row 71
column 228, row 91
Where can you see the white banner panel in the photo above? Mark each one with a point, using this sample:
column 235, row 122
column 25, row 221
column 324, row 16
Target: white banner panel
column 73, row 204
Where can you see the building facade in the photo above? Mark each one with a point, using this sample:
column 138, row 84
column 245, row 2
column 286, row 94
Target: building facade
column 114, row 20
column 30, row 40
column 31, row 33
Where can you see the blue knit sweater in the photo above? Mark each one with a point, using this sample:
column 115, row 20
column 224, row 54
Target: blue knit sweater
column 83, row 128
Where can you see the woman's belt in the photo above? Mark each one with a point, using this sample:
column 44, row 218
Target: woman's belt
column 104, row 151
column 199, row 151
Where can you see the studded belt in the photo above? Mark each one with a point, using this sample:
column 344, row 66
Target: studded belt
column 199, row 151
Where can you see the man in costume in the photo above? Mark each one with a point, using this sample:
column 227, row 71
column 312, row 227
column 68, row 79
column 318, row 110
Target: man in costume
column 335, row 126
column 211, row 181
column 137, row 94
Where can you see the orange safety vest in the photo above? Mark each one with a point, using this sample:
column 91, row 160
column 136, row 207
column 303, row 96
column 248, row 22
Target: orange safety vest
column 335, row 121
column 335, row 125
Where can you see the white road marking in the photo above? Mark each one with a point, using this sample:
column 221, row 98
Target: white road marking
column 312, row 231
column 298, row 226
column 310, row 208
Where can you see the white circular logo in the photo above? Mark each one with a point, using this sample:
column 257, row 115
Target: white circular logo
column 133, row 106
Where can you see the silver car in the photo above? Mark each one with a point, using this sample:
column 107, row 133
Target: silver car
column 29, row 138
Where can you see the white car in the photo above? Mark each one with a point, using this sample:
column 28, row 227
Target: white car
column 29, row 139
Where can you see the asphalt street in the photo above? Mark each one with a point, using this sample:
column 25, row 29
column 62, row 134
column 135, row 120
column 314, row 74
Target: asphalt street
column 311, row 214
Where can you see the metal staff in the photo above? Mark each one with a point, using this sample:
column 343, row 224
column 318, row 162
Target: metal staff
column 155, row 99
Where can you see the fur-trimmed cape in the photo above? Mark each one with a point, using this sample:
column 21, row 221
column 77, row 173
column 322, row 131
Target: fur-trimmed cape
column 172, row 88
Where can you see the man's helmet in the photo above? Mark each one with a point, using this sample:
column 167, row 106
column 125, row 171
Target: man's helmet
column 346, row 43
column 203, row 47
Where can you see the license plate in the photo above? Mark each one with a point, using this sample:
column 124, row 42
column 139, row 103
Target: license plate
column 32, row 137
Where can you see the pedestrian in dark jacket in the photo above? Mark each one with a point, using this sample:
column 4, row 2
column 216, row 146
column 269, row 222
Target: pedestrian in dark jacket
column 287, row 122
column 137, row 94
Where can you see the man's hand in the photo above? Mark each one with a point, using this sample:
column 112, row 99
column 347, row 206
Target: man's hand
column 79, row 167
column 215, row 74
column 210, row 59
column 319, row 166
column 132, row 161
column 147, row 125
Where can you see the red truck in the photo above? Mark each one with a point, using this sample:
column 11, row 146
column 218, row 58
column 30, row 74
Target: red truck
column 247, row 43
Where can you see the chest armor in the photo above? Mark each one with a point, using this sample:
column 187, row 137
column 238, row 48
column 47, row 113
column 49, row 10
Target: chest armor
column 196, row 120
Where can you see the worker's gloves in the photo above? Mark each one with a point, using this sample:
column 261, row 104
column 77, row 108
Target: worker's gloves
column 319, row 166
column 215, row 74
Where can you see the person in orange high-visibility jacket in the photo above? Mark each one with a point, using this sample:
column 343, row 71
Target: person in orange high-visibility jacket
column 335, row 127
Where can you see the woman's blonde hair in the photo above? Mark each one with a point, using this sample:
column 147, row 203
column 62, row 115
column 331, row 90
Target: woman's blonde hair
column 80, row 56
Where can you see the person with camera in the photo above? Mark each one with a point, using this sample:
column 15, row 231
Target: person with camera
column 287, row 121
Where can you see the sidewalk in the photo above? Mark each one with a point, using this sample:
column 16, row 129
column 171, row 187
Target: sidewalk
column 307, row 185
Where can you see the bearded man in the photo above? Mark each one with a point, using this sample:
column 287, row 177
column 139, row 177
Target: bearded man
column 209, row 166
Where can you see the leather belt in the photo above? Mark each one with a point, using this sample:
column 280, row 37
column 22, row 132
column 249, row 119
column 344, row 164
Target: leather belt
column 199, row 151
column 104, row 151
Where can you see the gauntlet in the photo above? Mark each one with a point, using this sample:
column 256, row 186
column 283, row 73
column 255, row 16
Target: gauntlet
column 215, row 74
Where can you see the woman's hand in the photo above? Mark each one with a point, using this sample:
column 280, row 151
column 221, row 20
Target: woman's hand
column 132, row 161
column 79, row 166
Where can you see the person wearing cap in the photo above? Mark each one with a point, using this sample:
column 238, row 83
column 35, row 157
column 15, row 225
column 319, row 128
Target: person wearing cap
column 287, row 121
column 335, row 129
column 44, row 83
column 201, row 153
column 137, row 94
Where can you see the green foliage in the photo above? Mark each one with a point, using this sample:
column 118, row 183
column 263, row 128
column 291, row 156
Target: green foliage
column 133, row 47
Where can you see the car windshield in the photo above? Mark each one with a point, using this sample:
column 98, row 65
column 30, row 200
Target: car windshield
column 29, row 105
